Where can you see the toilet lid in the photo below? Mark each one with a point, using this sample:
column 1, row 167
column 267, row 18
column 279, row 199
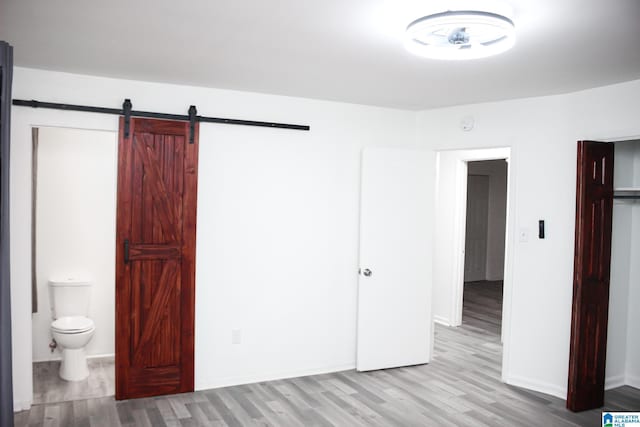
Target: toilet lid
column 72, row 324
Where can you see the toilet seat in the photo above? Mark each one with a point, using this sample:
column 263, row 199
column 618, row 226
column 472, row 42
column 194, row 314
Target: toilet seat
column 72, row 324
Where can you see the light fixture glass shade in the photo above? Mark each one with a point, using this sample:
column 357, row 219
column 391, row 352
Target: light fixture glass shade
column 460, row 35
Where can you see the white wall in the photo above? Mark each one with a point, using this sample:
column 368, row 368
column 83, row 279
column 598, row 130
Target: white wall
column 277, row 239
column 496, row 170
column 632, row 372
column 542, row 133
column 623, row 340
column 75, row 235
column 621, row 259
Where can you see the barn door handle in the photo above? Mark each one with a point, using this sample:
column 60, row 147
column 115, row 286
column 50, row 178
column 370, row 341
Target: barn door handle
column 126, row 251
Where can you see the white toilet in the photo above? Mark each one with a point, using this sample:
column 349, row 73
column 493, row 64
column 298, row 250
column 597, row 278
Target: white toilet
column 71, row 327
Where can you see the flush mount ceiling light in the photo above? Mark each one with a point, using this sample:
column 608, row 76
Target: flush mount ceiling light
column 460, row 35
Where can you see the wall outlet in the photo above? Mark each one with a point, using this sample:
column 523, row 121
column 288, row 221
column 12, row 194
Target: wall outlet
column 236, row 336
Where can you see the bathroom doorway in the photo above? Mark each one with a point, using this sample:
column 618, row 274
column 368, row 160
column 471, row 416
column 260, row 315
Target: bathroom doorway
column 73, row 233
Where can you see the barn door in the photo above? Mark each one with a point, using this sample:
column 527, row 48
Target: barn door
column 155, row 270
column 594, row 211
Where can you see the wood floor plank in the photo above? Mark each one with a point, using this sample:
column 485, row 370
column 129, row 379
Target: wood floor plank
column 140, row 418
column 355, row 407
column 285, row 416
column 155, row 417
column 222, row 409
column 213, row 417
column 179, row 408
column 270, row 416
column 238, row 410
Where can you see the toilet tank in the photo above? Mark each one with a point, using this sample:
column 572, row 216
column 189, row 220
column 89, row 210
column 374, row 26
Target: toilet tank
column 69, row 297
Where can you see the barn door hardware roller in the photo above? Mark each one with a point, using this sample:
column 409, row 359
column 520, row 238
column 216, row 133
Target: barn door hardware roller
column 192, row 123
column 128, row 112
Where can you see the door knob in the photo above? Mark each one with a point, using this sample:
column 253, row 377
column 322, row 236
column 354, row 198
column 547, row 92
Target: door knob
column 367, row 272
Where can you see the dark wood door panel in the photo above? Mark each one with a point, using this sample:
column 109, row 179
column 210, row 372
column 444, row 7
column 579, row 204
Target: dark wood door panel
column 154, row 251
column 589, row 317
column 157, row 185
column 157, row 188
column 161, row 127
column 163, row 380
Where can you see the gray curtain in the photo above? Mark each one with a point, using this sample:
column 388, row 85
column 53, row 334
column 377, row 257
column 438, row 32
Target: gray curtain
column 6, row 383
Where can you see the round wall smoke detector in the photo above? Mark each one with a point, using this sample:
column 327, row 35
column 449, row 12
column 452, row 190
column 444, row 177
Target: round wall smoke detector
column 460, row 35
column 467, row 123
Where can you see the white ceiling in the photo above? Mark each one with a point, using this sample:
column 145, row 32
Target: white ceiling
column 343, row 50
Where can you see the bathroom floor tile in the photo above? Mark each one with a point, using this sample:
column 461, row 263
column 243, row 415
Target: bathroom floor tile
column 48, row 387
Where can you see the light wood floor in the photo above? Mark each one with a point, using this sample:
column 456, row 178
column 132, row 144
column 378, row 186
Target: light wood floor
column 461, row 387
column 48, row 387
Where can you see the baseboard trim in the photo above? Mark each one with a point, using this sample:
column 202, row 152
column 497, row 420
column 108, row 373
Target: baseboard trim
column 89, row 356
column 250, row 379
column 441, row 320
column 633, row 381
column 560, row 392
column 21, row 405
column 546, row 388
column 614, row 382
column 102, row 356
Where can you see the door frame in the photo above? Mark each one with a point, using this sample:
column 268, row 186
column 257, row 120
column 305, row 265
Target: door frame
column 609, row 140
column 72, row 125
column 458, row 207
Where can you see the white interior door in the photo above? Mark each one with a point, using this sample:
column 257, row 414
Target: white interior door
column 475, row 252
column 394, row 292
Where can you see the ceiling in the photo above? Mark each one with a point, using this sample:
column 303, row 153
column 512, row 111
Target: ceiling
column 350, row 51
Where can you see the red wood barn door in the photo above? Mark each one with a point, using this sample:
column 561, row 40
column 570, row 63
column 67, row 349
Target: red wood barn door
column 155, row 256
column 594, row 212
